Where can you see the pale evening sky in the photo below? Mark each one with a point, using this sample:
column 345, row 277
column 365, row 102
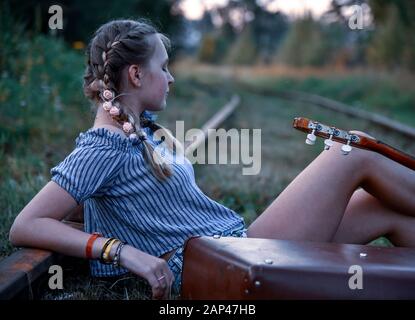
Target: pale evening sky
column 193, row 9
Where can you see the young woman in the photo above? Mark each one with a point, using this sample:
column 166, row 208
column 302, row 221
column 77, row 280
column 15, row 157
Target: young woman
column 140, row 207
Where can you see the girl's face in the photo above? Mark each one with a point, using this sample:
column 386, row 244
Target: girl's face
column 155, row 78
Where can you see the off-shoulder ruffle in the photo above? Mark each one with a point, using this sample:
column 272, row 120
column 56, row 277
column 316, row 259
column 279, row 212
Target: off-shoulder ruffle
column 103, row 136
column 106, row 137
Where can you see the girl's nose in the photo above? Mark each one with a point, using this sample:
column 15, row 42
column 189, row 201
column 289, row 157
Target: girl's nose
column 171, row 79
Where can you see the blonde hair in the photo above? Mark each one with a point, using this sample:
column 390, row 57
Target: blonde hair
column 117, row 44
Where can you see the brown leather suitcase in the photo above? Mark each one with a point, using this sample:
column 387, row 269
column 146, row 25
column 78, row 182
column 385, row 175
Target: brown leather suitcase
column 248, row 268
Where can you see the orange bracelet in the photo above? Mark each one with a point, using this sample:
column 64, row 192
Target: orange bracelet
column 90, row 243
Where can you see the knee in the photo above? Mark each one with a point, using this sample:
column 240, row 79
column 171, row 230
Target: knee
column 400, row 232
column 362, row 159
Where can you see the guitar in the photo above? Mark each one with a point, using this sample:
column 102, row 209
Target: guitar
column 349, row 140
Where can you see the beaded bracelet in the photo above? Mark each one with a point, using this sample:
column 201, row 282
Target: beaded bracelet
column 117, row 257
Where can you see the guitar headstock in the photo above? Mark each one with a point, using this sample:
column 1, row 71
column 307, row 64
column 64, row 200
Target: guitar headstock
column 330, row 133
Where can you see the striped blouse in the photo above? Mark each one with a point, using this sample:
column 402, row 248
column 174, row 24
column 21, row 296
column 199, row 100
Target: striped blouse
column 123, row 199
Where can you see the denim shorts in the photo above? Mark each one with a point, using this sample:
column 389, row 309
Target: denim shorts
column 175, row 262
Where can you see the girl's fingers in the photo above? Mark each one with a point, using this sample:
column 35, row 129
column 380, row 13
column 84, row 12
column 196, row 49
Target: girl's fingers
column 157, row 290
column 162, row 285
column 160, row 278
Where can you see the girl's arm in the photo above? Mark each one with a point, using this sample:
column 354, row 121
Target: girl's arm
column 39, row 225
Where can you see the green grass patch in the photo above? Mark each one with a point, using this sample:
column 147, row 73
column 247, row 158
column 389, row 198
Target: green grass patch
column 373, row 93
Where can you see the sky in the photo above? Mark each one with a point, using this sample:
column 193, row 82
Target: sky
column 193, row 9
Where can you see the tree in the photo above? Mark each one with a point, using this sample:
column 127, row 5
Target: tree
column 243, row 51
column 305, row 44
column 82, row 18
column 393, row 43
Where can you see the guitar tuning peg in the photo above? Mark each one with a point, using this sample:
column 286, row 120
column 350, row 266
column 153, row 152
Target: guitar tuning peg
column 328, row 143
column 346, row 148
column 311, row 138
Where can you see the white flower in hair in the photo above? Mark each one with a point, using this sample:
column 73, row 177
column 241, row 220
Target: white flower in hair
column 114, row 111
column 108, row 95
column 127, row 127
column 107, row 105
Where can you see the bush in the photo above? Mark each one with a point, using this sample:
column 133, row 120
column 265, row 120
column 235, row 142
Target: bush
column 40, row 98
column 243, row 51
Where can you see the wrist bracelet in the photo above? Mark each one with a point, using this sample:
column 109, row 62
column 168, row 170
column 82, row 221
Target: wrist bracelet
column 107, row 252
column 104, row 257
column 90, row 244
column 117, row 256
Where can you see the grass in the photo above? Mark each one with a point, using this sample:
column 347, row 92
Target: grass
column 79, row 285
column 43, row 112
column 390, row 94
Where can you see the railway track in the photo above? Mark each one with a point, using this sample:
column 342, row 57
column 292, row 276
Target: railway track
column 336, row 106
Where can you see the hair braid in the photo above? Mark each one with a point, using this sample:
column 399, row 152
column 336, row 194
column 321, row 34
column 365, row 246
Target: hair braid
column 115, row 45
column 128, row 120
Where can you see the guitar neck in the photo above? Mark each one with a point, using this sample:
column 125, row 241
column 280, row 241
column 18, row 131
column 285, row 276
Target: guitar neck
column 355, row 140
column 388, row 151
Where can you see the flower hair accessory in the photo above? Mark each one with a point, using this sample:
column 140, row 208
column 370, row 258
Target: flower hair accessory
column 127, row 127
column 108, row 95
column 114, row 111
column 107, row 105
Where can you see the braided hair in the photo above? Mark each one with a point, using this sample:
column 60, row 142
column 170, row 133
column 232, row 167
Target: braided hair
column 117, row 44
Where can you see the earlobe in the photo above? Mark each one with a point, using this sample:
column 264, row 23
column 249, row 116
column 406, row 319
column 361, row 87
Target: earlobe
column 138, row 79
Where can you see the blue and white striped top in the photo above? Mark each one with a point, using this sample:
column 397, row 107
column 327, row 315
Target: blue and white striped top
column 123, row 199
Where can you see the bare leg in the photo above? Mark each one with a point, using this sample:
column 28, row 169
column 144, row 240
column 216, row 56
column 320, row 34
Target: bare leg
column 312, row 206
column 366, row 218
